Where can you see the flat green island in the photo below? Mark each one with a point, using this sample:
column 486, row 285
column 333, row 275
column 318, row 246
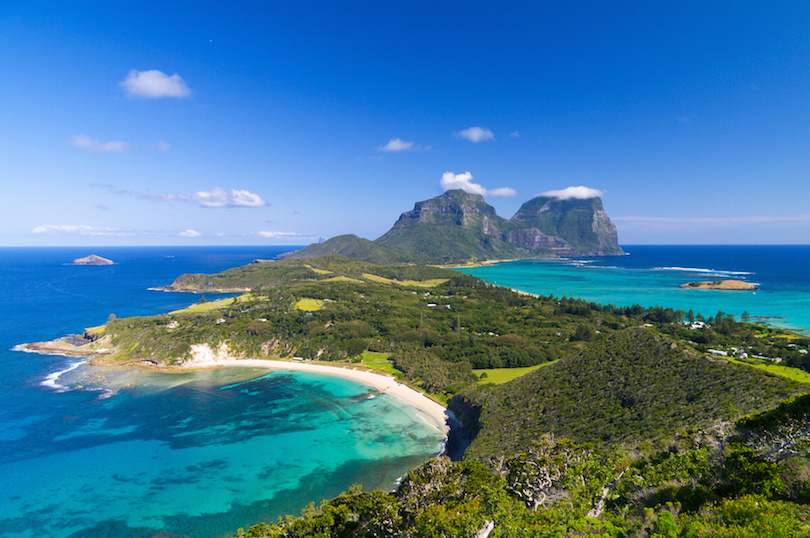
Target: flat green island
column 735, row 285
column 577, row 418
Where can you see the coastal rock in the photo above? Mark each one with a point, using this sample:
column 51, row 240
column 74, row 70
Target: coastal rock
column 735, row 285
column 93, row 260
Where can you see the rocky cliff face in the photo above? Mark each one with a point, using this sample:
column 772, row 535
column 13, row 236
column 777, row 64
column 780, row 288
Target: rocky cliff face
column 468, row 227
column 533, row 238
column 453, row 207
column 582, row 223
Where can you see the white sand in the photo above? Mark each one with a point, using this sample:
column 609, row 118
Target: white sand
column 435, row 412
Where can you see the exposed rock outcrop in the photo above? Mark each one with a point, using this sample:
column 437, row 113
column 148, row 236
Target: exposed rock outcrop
column 93, row 260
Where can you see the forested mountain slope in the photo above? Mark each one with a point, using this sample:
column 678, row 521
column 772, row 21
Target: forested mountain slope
column 633, row 386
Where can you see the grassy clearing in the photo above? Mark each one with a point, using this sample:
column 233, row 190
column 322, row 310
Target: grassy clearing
column 784, row 371
column 379, row 361
column 340, row 279
column 320, row 271
column 309, row 305
column 416, row 283
column 96, row 331
column 499, row 376
column 199, row 308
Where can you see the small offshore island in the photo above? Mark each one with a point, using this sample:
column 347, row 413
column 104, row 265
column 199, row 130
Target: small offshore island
column 92, row 259
column 735, row 285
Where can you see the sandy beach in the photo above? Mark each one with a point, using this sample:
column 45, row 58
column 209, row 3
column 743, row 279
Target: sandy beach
column 436, row 413
column 204, row 357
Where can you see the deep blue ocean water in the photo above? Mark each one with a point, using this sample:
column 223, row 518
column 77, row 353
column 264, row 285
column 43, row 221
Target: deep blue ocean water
column 651, row 275
column 197, row 454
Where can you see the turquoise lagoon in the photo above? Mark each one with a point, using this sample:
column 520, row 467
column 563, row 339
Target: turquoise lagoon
column 90, row 451
column 651, row 276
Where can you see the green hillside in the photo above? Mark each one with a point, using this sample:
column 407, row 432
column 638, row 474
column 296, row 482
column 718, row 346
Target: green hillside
column 445, row 242
column 356, row 248
column 633, row 386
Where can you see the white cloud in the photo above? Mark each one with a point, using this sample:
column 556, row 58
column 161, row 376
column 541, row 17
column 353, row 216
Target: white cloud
column 94, row 146
column 153, row 84
column 515, row 134
column 163, row 147
column 190, row 233
column 698, row 222
column 275, row 235
column 477, row 134
column 464, row 182
column 79, row 229
column 396, row 145
column 215, row 198
column 221, row 198
column 579, row 193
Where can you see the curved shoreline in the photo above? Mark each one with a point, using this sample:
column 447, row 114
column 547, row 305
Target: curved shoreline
column 438, row 415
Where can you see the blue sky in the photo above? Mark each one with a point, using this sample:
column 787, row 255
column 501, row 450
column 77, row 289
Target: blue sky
column 203, row 123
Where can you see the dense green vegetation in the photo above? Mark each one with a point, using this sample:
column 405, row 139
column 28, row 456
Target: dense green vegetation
column 557, row 488
column 636, row 425
column 448, row 243
column 357, row 248
column 631, row 387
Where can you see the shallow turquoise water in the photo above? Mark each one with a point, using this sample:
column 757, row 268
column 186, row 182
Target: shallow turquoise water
column 206, row 454
column 651, row 275
column 197, row 454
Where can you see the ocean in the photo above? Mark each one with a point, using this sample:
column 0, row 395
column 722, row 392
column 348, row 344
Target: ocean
column 191, row 454
column 651, row 276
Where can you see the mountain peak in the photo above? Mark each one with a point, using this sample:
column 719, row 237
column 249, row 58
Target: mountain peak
column 581, row 222
column 464, row 207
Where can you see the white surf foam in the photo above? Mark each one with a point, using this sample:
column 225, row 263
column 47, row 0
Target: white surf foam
column 50, row 380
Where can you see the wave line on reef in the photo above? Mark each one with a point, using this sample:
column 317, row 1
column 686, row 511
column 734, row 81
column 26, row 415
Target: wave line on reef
column 50, row 379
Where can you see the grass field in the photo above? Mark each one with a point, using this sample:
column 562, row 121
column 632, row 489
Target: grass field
column 415, row 283
column 98, row 331
column 309, row 305
column 498, row 376
column 784, row 371
column 379, row 361
column 340, row 279
column 320, row 271
column 207, row 306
